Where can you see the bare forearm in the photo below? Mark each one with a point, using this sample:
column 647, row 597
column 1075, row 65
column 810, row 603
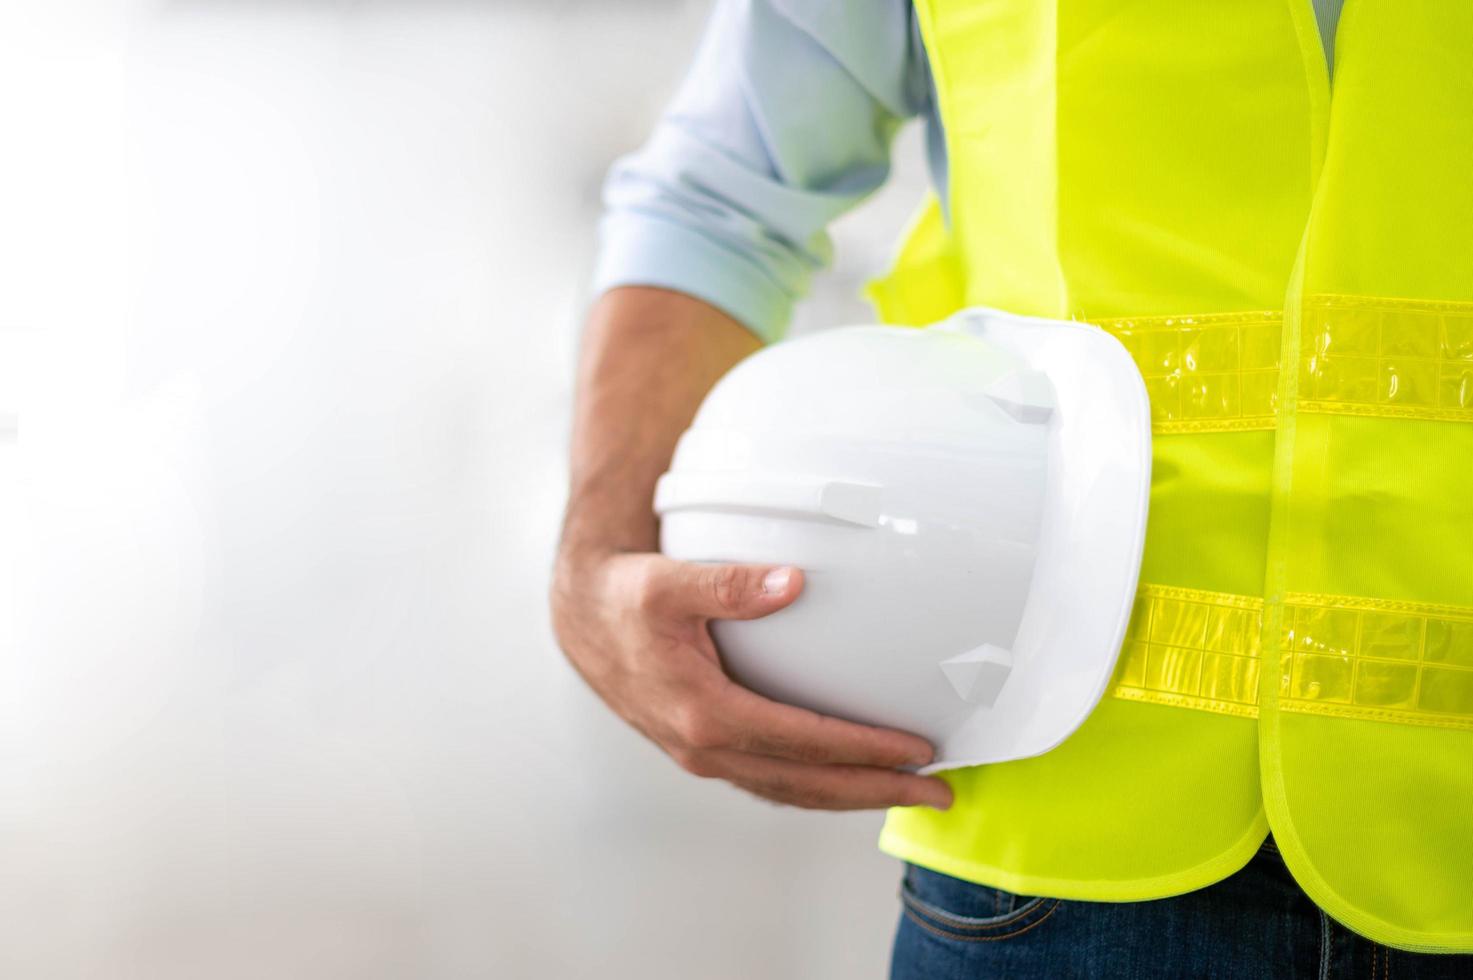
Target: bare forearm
column 649, row 356
column 635, row 623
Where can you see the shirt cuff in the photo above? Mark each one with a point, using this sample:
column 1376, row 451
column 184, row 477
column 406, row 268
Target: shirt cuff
column 646, row 250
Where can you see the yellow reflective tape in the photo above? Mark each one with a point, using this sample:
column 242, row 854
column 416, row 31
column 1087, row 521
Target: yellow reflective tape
column 1192, row 649
column 1393, row 358
column 1214, row 372
column 1378, row 356
column 1378, row 660
column 1351, row 657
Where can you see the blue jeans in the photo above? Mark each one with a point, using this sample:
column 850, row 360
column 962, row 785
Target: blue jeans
column 1257, row 923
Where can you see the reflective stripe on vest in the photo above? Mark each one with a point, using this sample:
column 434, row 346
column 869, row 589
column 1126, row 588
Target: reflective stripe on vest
column 1295, row 280
column 1348, row 656
column 1356, row 657
column 1219, row 372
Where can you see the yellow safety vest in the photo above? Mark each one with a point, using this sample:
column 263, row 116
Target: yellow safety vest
column 1292, row 269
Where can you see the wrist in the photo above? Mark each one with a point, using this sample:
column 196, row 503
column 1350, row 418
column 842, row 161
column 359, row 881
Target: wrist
column 592, row 535
column 581, row 563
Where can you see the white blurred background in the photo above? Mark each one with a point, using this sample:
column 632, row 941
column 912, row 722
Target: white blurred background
column 289, row 299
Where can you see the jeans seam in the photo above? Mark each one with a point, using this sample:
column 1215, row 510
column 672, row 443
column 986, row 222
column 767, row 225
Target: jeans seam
column 934, row 930
column 1327, row 948
column 960, row 922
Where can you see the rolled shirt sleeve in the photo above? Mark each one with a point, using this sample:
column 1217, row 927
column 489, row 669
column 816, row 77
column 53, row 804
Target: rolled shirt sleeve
column 783, row 123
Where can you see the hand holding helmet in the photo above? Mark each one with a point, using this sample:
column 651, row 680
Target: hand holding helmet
column 636, row 628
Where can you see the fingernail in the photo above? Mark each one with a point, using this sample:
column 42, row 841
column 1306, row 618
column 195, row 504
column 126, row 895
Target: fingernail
column 941, row 797
column 921, row 759
column 776, row 581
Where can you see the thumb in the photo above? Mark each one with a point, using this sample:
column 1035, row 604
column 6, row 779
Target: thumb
column 739, row 591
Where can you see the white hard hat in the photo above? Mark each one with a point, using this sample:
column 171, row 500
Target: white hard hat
column 968, row 505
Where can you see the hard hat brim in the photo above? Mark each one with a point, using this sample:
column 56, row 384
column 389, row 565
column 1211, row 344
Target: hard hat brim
column 1094, row 528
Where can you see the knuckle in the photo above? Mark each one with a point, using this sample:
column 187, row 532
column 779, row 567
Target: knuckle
column 893, row 756
column 757, row 790
column 778, row 790
column 646, row 589
column 695, row 762
column 912, row 791
column 804, row 751
column 799, row 794
column 818, row 798
column 786, row 746
column 727, row 587
column 695, row 728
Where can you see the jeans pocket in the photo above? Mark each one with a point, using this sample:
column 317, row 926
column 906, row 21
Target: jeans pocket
column 959, row 910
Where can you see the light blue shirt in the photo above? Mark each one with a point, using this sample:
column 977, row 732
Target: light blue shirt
column 783, row 123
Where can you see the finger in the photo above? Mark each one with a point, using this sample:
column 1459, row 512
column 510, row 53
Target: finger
column 725, row 591
column 754, row 724
column 820, row 787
